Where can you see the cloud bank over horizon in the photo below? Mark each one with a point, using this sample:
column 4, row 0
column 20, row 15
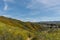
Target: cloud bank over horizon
column 31, row 10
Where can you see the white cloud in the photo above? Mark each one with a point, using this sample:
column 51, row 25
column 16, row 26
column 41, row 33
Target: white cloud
column 7, row 15
column 55, row 18
column 50, row 3
column 5, row 7
column 45, row 3
column 44, row 18
column 9, row 1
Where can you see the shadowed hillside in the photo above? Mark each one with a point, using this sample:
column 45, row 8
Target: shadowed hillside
column 17, row 23
column 12, row 29
column 13, row 26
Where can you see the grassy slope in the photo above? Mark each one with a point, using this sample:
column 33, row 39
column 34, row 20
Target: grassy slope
column 15, row 28
column 8, row 32
column 11, row 29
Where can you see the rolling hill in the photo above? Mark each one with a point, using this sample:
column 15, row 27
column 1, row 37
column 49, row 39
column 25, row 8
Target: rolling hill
column 13, row 29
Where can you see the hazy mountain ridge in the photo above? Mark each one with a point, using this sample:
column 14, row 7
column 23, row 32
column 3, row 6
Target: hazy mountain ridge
column 50, row 22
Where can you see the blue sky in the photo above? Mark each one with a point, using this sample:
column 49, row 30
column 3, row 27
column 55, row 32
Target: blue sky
column 31, row 10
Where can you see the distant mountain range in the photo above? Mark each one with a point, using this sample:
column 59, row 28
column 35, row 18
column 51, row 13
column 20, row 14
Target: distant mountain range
column 49, row 22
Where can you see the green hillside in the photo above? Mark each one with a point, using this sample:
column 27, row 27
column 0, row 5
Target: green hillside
column 12, row 29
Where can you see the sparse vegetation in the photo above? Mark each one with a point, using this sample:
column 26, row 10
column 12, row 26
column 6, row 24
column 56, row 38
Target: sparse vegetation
column 12, row 29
